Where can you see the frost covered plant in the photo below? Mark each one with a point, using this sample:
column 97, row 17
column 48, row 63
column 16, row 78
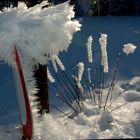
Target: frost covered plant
column 89, row 48
column 80, row 66
column 104, row 58
column 129, row 48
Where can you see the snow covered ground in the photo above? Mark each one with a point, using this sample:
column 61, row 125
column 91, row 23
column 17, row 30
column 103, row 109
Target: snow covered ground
column 92, row 122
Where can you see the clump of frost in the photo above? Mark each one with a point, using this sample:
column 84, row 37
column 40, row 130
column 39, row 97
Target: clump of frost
column 104, row 58
column 36, row 31
column 129, row 48
column 89, row 48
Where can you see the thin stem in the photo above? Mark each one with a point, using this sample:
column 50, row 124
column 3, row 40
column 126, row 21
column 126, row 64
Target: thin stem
column 61, row 111
column 72, row 85
column 77, row 101
column 124, row 104
column 61, row 97
column 114, row 99
column 113, row 79
column 63, row 88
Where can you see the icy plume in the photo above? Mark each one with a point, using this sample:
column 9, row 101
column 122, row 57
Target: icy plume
column 129, row 48
column 104, row 58
column 36, row 31
column 89, row 48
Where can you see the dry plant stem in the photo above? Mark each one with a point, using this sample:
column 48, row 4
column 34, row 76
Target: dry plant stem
column 70, row 100
column 72, row 94
column 64, row 84
column 102, row 90
column 113, row 79
column 124, row 104
column 62, row 87
column 61, row 111
column 87, row 83
column 115, row 72
column 72, row 85
column 90, row 85
column 96, row 73
column 59, row 93
column 114, row 100
column 78, row 91
column 65, row 101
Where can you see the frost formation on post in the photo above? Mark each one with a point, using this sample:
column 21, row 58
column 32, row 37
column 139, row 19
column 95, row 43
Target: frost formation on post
column 104, row 58
column 36, row 31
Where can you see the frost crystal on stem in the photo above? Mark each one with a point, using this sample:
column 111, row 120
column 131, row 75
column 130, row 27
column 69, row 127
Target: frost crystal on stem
column 80, row 70
column 104, row 59
column 89, row 48
column 129, row 48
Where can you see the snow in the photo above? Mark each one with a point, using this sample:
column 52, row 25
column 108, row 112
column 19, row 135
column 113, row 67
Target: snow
column 92, row 122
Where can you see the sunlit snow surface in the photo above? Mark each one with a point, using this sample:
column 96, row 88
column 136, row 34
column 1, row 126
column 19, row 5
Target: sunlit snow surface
column 93, row 122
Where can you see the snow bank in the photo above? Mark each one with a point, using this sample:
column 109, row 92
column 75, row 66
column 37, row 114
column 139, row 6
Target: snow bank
column 39, row 33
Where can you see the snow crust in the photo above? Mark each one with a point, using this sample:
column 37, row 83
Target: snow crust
column 39, row 33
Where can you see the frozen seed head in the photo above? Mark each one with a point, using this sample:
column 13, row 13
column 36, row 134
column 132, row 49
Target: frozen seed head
column 89, row 48
column 80, row 66
column 104, row 57
column 129, row 48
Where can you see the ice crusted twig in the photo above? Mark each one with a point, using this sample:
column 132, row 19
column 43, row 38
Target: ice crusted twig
column 89, row 48
column 104, row 59
column 129, row 48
